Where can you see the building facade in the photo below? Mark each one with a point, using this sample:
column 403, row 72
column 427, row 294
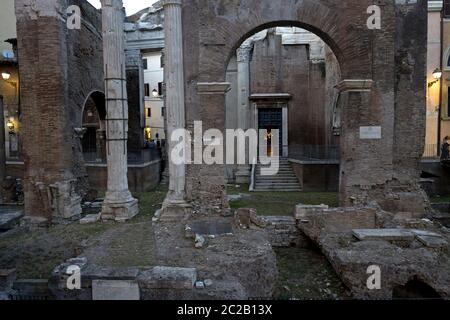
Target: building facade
column 438, row 77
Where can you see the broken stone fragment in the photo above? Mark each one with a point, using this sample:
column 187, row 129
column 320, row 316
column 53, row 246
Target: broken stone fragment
column 200, row 285
column 432, row 241
column 248, row 217
column 7, row 278
column 91, row 218
column 168, row 278
column 208, row 282
column 200, row 241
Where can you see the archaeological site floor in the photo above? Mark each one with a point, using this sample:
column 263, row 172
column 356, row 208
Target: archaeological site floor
column 304, row 273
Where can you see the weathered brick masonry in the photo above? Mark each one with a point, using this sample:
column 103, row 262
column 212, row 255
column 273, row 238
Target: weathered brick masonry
column 59, row 69
column 383, row 73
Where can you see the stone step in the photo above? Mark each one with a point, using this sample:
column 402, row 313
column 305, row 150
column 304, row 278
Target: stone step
column 277, row 185
column 277, row 190
column 280, row 181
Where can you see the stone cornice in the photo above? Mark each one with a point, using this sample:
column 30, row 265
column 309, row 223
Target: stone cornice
column 434, row 5
column 355, row 85
column 172, row 2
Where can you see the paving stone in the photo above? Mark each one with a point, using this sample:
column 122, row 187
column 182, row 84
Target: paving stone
column 116, row 290
column 168, row 278
column 384, row 234
column 432, row 242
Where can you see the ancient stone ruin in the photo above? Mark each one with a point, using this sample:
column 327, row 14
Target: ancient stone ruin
column 204, row 249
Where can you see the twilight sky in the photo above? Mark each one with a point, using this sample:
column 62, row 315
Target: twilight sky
column 132, row 6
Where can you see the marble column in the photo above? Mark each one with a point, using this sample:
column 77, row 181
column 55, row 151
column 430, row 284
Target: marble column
column 174, row 206
column 243, row 108
column 119, row 204
column 243, row 82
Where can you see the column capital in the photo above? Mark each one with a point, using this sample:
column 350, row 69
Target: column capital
column 355, row 85
column 172, row 2
column 243, row 53
column 112, row 3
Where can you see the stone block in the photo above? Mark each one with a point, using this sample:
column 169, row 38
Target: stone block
column 384, row 234
column 431, row 241
column 302, row 211
column 10, row 220
column 115, row 290
column 7, row 278
column 90, row 218
column 168, row 278
column 31, row 286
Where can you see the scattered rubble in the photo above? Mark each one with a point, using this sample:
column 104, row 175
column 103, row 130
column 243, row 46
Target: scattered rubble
column 353, row 239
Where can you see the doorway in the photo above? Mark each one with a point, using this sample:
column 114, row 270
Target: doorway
column 271, row 119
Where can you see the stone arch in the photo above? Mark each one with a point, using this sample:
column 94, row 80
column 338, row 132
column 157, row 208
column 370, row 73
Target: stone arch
column 415, row 288
column 93, row 117
column 98, row 98
column 231, row 22
column 382, row 84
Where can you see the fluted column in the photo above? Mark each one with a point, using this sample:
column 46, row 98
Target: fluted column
column 175, row 204
column 243, row 109
column 243, row 82
column 119, row 204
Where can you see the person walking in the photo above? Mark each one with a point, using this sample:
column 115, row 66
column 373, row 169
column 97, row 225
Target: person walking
column 445, row 151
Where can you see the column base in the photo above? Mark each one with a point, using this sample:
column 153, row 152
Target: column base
column 120, row 212
column 175, row 211
column 243, row 174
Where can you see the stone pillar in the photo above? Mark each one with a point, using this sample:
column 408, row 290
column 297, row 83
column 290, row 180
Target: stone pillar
column 364, row 139
column 243, row 82
column 119, row 204
column 243, row 109
column 175, row 205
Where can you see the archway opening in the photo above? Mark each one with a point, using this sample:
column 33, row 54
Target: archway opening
column 415, row 289
column 283, row 79
column 93, row 123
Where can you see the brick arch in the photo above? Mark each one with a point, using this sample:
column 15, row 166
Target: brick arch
column 330, row 42
column 99, row 99
column 224, row 25
column 381, row 91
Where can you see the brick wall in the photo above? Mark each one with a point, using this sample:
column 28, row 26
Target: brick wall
column 59, row 68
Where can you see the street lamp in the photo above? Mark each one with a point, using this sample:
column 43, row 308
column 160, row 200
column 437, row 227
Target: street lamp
column 437, row 75
column 6, row 76
column 155, row 93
